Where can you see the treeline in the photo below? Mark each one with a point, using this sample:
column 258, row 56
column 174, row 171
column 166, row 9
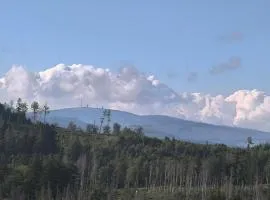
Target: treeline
column 41, row 161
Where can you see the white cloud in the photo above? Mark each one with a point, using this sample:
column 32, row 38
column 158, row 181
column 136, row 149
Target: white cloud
column 129, row 90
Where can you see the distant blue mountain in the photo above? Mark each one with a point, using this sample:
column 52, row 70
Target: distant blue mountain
column 161, row 126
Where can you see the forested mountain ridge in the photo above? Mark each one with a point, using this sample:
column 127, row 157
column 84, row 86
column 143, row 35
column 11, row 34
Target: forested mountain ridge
column 41, row 161
column 162, row 126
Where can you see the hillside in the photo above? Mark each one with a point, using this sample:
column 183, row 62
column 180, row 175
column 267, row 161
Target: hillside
column 161, row 126
column 39, row 161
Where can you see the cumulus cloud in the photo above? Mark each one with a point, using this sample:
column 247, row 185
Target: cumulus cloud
column 129, row 90
column 95, row 85
column 232, row 64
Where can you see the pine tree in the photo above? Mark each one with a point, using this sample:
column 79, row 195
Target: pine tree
column 46, row 111
column 116, row 128
column 35, row 108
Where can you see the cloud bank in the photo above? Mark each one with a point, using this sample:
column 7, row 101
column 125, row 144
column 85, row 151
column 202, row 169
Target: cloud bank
column 129, row 90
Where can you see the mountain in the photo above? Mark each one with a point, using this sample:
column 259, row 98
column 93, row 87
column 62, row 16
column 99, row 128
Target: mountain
column 161, row 126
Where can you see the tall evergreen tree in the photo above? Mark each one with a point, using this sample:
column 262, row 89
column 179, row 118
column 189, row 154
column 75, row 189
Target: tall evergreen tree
column 46, row 111
column 35, row 107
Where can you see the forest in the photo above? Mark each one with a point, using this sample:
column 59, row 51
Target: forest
column 39, row 161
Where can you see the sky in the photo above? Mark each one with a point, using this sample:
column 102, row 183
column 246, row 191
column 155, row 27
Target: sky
column 210, row 51
column 159, row 37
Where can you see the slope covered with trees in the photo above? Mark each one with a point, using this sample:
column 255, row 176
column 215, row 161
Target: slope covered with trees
column 41, row 161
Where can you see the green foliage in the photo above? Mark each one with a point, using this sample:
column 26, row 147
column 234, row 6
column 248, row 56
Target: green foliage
column 41, row 160
column 35, row 107
column 46, row 111
column 116, row 128
column 107, row 129
column 72, row 126
column 217, row 195
column 75, row 150
column 92, row 129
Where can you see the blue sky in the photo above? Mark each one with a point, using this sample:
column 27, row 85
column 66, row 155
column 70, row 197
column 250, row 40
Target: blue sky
column 159, row 37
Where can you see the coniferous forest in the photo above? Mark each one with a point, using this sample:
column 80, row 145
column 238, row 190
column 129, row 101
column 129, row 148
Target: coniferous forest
column 44, row 162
